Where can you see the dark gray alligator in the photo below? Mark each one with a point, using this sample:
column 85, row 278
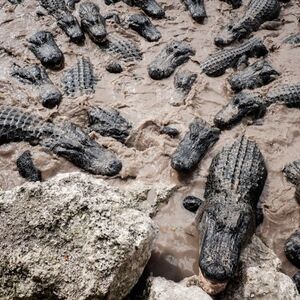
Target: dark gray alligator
column 292, row 248
column 35, row 75
column 256, row 75
column 196, row 9
column 59, row 9
column 44, row 47
column 80, row 79
column 172, row 56
column 26, row 167
column 66, row 140
column 226, row 220
column 257, row 12
column 194, row 145
column 293, row 39
column 192, row 203
column 92, row 22
column 217, row 63
column 143, row 25
column 242, row 105
column 109, row 123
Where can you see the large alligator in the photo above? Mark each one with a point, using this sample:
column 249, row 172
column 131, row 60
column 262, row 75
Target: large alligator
column 44, row 47
column 226, row 220
column 60, row 10
column 194, row 145
column 256, row 75
column 292, row 248
column 257, row 12
column 288, row 94
column 196, row 9
column 66, row 140
column 143, row 25
column 37, row 76
column 217, row 63
column 171, row 56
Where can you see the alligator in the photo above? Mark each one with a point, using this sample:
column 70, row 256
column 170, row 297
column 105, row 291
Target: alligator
column 257, row 12
column 92, row 22
column 80, row 79
column 44, row 47
column 234, row 3
column 292, row 248
column 256, row 75
column 241, row 105
column 114, row 67
column 216, row 64
column 194, row 145
column 170, row 131
column 109, row 123
column 296, row 280
column 293, row 39
column 59, row 9
column 66, row 140
column 35, row 75
column 26, row 167
column 192, row 203
column 172, row 56
column 227, row 220
column 143, row 26
column 196, row 9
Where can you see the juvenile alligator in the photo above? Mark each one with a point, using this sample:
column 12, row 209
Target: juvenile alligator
column 292, row 248
column 257, row 12
column 143, row 25
column 44, row 47
column 197, row 9
column 227, row 218
column 217, row 63
column 92, row 22
column 109, row 123
column 194, row 146
column 35, row 75
column 80, row 79
column 26, row 167
column 293, row 39
column 256, row 75
column 288, row 94
column 59, row 9
column 66, row 140
column 172, row 56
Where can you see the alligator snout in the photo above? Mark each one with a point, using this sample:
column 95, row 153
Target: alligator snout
column 50, row 95
column 197, row 10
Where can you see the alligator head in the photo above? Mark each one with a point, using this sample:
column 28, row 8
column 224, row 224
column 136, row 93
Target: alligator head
column 150, row 7
column 197, row 10
column 50, row 95
column 241, row 105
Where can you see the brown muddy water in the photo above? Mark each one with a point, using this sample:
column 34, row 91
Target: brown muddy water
column 146, row 104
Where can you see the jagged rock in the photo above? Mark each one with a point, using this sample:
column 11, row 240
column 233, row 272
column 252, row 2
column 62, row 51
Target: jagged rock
column 75, row 237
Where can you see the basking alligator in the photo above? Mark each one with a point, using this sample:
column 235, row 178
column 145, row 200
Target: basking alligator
column 256, row 75
column 44, row 47
column 227, row 218
column 292, row 248
column 217, row 63
column 109, row 123
column 92, row 22
column 26, row 167
column 172, row 56
column 257, row 12
column 66, row 140
column 80, row 79
column 35, row 75
column 197, row 9
column 288, row 94
column 143, row 25
column 194, row 146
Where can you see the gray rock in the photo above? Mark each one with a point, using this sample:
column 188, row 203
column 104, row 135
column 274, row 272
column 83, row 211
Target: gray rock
column 75, row 237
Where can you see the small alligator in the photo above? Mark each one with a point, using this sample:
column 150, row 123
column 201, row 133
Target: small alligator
column 194, row 145
column 92, row 22
column 192, row 203
column 80, row 79
column 292, row 248
column 172, row 56
column 217, row 63
column 35, row 75
column 66, row 140
column 226, row 220
column 26, row 167
column 257, row 12
column 293, row 39
column 197, row 9
column 109, row 123
column 143, row 25
column 256, row 75
column 44, row 47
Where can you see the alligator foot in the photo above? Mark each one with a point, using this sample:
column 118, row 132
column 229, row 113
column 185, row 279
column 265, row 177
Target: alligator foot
column 44, row 47
column 288, row 94
column 197, row 9
column 150, row 7
column 292, row 248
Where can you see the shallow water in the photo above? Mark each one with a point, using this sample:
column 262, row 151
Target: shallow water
column 146, row 104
